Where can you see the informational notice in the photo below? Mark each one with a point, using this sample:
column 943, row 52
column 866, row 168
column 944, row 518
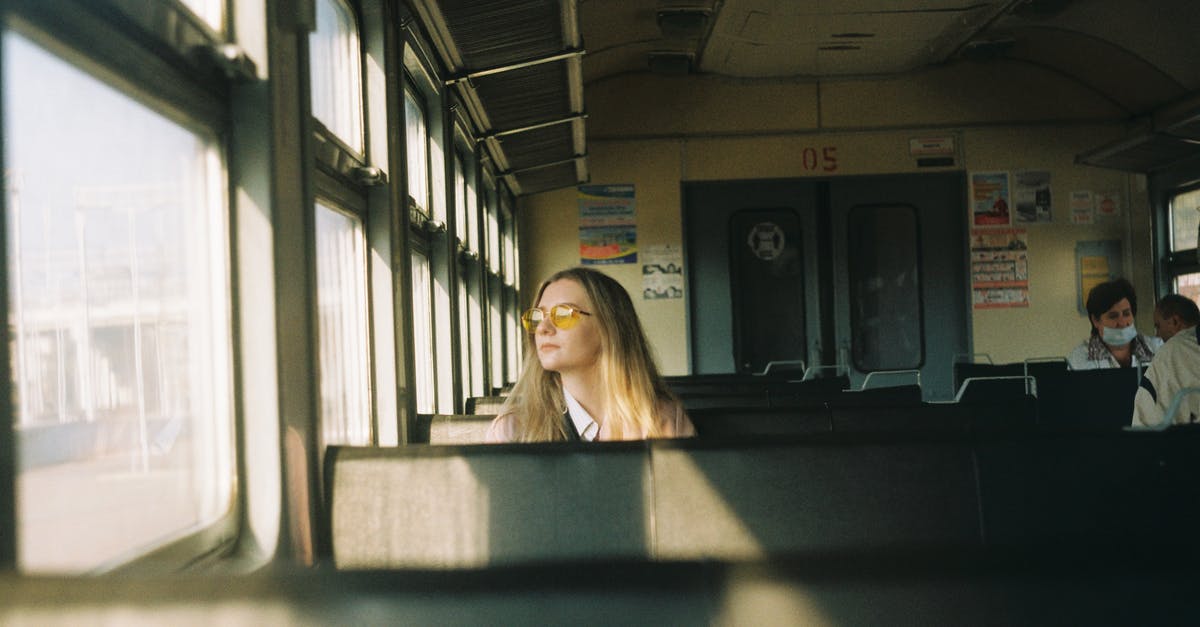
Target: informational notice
column 1108, row 204
column 607, row 225
column 1031, row 189
column 1083, row 207
column 999, row 268
column 662, row 272
column 990, row 199
column 1095, row 262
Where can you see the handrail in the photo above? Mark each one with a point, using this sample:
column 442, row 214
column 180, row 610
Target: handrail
column 867, row 378
column 783, row 362
column 1030, row 384
column 1169, row 415
column 838, row 368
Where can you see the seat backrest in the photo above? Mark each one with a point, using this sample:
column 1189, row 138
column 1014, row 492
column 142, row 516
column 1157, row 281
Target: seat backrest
column 799, row 393
column 697, row 401
column 1090, row 400
column 484, row 404
column 966, row 370
column 1116, row 489
column 727, row 423
column 451, row 428
column 757, row 500
column 472, row 506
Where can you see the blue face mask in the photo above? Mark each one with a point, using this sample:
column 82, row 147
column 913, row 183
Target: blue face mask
column 1118, row 337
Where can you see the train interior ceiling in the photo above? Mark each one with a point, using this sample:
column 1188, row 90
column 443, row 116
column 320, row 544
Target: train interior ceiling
column 266, row 260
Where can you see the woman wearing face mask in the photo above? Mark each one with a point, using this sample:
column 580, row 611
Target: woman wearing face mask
column 1114, row 342
column 588, row 372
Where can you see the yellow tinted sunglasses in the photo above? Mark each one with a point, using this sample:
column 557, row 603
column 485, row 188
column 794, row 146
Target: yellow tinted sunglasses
column 561, row 316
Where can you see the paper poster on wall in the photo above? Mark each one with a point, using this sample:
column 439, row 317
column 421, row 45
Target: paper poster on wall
column 1108, row 204
column 662, row 272
column 1083, row 207
column 1031, row 192
column 607, row 225
column 1095, row 262
column 990, row 199
column 999, row 268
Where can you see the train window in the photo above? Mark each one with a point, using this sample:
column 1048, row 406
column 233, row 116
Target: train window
column 432, row 279
column 422, row 287
column 417, row 139
column 335, row 63
column 886, row 322
column 460, row 199
column 475, row 331
column 492, row 227
column 1185, row 220
column 512, row 301
column 211, row 11
column 342, row 320
column 494, row 284
column 495, row 327
column 1182, row 267
column 470, row 314
column 120, row 310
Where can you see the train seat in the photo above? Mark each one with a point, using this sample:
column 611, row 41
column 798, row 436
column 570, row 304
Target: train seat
column 749, row 422
column 751, row 501
column 451, row 428
column 471, row 506
column 485, row 404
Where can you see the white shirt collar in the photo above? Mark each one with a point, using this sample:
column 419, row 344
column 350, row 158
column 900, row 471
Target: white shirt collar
column 585, row 425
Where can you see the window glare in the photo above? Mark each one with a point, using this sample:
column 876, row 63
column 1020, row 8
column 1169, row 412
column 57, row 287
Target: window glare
column 1188, row 285
column 423, row 333
column 211, row 11
column 336, row 72
column 342, row 318
column 1185, row 220
column 460, row 200
column 119, row 302
column 416, row 136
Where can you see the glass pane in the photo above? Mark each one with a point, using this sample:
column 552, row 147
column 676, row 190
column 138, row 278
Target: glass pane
column 510, row 253
column 416, row 137
column 464, row 336
column 515, row 336
column 1188, row 285
column 496, row 330
column 342, row 322
column 472, row 209
column 493, row 231
column 885, row 289
column 1185, row 220
column 460, row 200
column 118, row 279
column 211, row 11
column 335, row 65
column 423, row 333
column 475, row 311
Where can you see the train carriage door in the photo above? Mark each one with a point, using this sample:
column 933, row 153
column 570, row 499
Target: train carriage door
column 752, row 268
column 899, row 277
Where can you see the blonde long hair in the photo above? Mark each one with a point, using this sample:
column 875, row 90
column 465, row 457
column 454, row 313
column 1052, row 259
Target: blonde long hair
column 633, row 388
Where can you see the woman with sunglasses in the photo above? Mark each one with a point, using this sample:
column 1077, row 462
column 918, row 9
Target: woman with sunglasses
column 588, row 372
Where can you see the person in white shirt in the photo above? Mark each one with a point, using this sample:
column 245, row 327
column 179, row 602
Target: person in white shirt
column 1114, row 341
column 1176, row 365
column 588, row 373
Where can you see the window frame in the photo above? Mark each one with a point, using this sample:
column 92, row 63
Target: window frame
column 428, row 228
column 1163, row 187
